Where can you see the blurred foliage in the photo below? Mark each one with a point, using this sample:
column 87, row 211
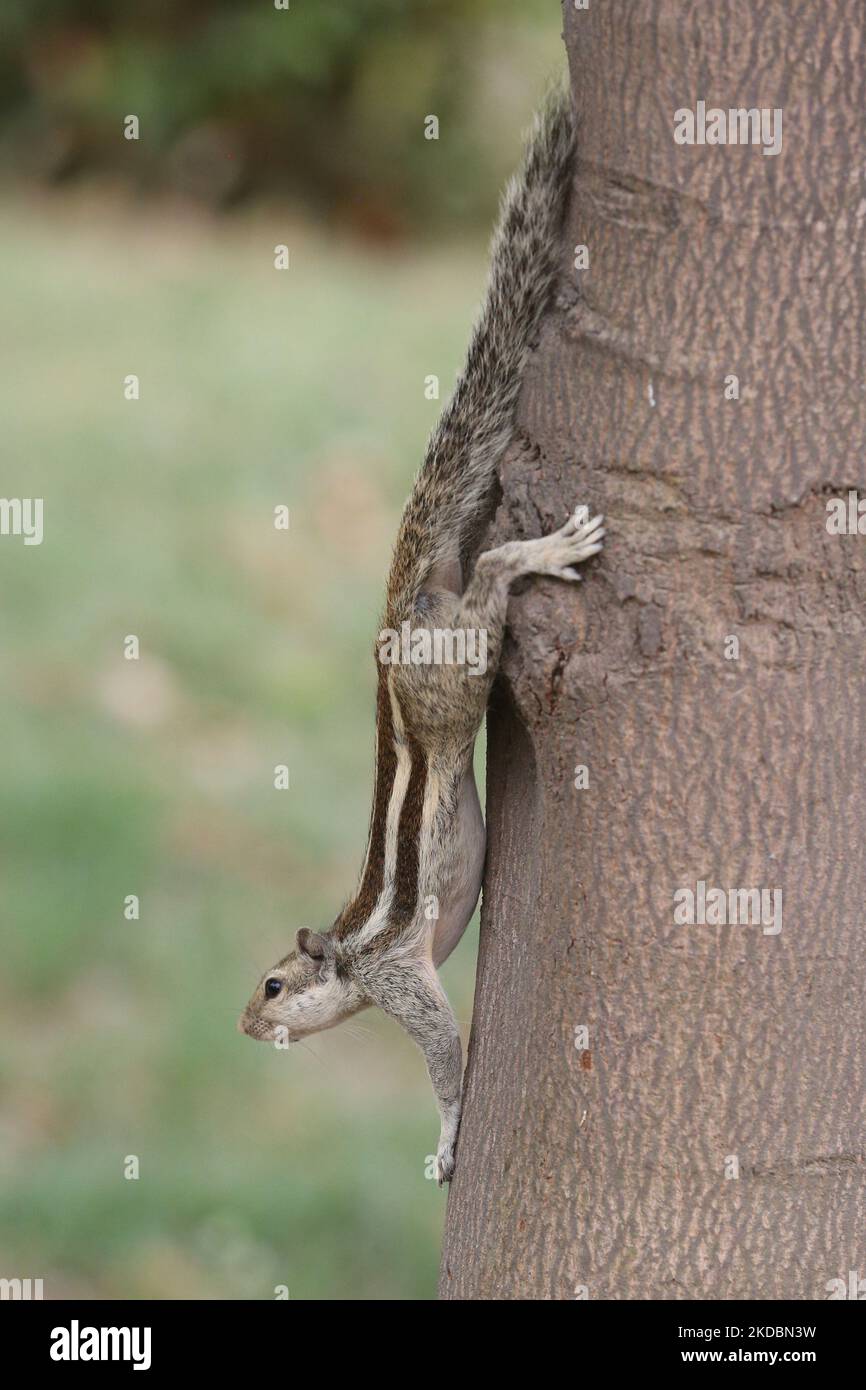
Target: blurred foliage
column 325, row 100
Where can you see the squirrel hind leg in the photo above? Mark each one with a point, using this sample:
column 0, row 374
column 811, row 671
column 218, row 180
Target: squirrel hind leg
column 484, row 604
column 578, row 540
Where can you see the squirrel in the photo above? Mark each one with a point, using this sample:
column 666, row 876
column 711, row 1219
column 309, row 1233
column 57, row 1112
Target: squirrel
column 426, row 841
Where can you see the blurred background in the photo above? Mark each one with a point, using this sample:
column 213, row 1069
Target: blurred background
column 155, row 777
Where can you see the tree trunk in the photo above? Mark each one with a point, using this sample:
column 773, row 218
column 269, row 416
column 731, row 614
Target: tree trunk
column 708, row 1140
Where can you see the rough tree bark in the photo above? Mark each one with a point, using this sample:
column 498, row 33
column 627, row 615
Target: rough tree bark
column 713, row 1050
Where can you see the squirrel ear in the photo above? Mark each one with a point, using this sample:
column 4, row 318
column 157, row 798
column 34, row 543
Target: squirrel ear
column 311, row 944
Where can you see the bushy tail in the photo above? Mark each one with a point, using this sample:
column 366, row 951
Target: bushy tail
column 455, row 478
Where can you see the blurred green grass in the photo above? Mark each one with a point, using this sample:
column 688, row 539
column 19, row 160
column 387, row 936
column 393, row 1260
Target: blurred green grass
column 155, row 777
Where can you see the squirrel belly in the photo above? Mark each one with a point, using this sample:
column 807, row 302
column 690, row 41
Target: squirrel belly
column 458, row 902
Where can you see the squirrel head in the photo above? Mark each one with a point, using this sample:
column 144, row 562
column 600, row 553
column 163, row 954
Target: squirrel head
column 303, row 993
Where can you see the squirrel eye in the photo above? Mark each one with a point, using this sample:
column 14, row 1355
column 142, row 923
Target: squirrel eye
column 272, row 988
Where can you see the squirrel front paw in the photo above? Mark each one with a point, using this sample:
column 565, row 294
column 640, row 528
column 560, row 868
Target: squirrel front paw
column 445, row 1163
